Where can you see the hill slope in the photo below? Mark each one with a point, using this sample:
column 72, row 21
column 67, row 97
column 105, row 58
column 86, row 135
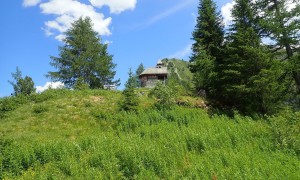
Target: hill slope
column 81, row 134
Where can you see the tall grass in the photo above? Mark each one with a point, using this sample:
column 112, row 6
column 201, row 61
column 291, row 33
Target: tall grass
column 81, row 135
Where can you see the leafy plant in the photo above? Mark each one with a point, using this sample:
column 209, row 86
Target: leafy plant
column 164, row 95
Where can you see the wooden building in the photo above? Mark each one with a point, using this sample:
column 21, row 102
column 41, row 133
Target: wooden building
column 150, row 76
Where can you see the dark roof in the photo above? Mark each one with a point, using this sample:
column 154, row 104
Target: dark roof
column 162, row 70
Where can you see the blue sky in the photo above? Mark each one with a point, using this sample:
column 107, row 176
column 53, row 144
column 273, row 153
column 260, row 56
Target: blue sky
column 138, row 31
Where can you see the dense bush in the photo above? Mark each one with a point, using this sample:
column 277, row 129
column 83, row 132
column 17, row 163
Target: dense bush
column 286, row 130
column 164, row 95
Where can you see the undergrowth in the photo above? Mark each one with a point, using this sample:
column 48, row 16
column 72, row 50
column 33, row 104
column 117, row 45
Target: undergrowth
column 82, row 135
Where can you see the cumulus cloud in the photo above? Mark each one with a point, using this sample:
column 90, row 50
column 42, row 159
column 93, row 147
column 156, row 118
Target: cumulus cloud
column 49, row 85
column 28, row 3
column 67, row 11
column 226, row 12
column 115, row 6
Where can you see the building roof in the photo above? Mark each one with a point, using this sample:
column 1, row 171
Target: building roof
column 162, row 70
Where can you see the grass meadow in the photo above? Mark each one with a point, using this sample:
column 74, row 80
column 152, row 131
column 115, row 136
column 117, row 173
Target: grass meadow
column 63, row 134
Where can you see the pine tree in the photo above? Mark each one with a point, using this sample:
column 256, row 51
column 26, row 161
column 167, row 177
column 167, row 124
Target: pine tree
column 208, row 36
column 248, row 67
column 83, row 56
column 130, row 99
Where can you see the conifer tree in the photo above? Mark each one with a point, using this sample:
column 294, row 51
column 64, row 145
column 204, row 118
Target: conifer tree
column 83, row 56
column 208, row 36
column 247, row 64
column 139, row 71
column 280, row 23
column 130, row 99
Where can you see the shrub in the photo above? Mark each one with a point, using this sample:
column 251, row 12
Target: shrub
column 38, row 109
column 164, row 95
column 286, row 131
column 80, row 84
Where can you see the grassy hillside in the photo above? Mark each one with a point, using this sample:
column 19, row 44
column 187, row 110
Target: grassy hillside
column 63, row 134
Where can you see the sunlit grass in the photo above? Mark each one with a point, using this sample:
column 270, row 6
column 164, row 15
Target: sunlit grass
column 84, row 135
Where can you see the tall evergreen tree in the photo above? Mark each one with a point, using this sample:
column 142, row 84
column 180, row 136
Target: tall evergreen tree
column 83, row 56
column 247, row 64
column 280, row 23
column 208, row 36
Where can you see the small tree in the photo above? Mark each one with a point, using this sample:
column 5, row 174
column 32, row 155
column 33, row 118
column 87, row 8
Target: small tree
column 139, row 71
column 130, row 99
column 22, row 86
column 164, row 95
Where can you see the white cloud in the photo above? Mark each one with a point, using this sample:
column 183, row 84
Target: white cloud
column 108, row 42
column 67, row 11
column 183, row 53
column 28, row 3
column 48, row 85
column 115, row 6
column 226, row 12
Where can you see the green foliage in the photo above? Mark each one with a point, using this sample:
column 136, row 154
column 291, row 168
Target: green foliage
column 80, row 84
column 208, row 34
column 286, row 131
column 83, row 56
column 279, row 22
column 179, row 77
column 207, row 49
column 11, row 103
column 204, row 74
column 38, row 109
column 22, row 86
column 74, row 141
column 164, row 95
column 249, row 76
column 130, row 100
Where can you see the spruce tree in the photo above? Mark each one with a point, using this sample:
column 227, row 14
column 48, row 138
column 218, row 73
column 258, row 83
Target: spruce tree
column 248, row 67
column 83, row 56
column 130, row 100
column 208, row 36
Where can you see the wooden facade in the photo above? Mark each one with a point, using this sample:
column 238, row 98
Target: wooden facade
column 150, row 80
column 150, row 76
